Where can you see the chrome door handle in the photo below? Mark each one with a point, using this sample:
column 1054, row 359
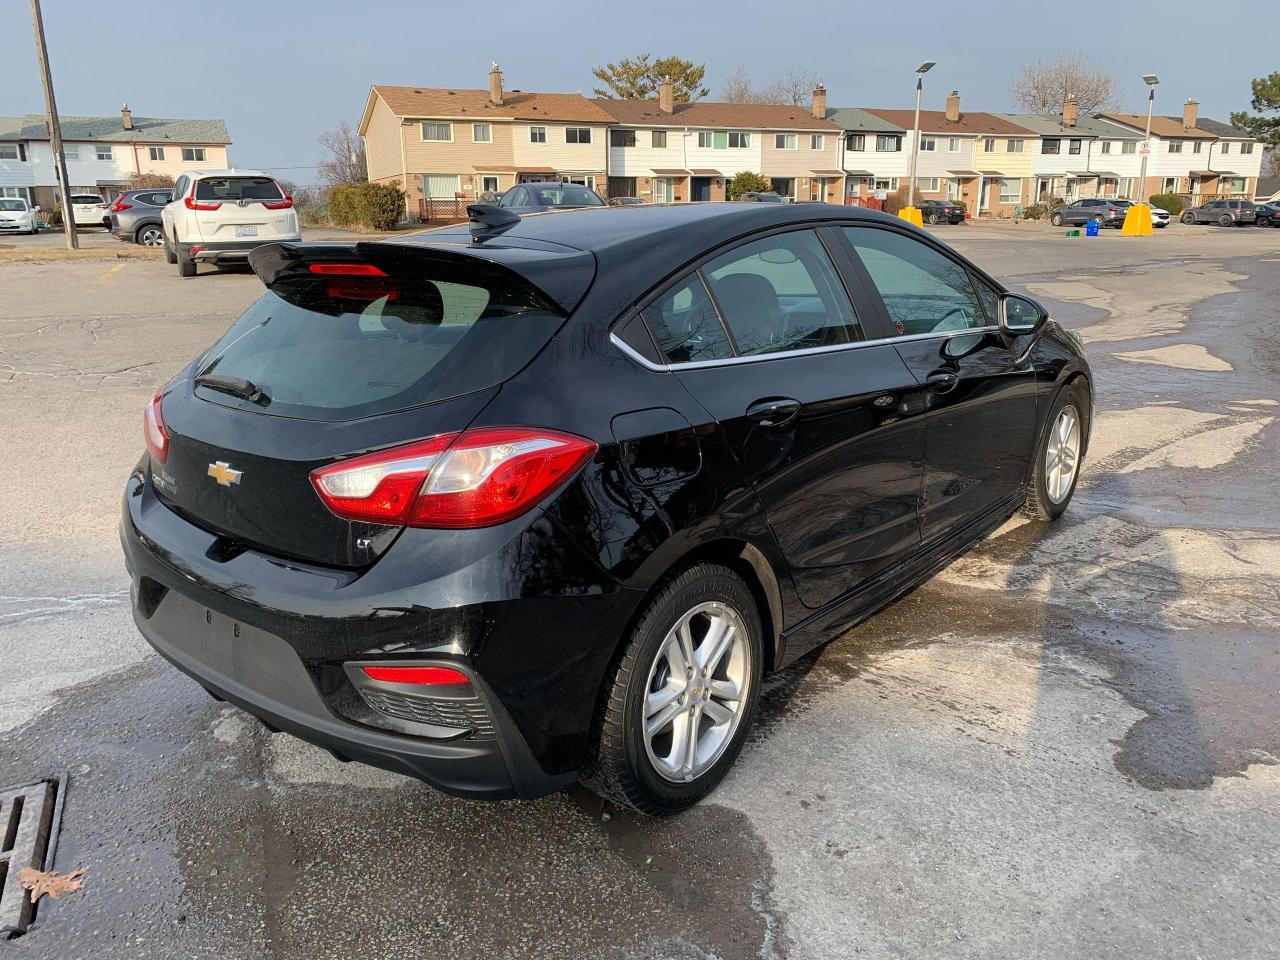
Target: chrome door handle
column 774, row 412
column 942, row 381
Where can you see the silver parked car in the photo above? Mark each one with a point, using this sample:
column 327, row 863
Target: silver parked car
column 1225, row 213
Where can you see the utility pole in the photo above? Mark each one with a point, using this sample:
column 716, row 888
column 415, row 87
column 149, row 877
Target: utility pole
column 915, row 131
column 55, row 130
column 1150, row 80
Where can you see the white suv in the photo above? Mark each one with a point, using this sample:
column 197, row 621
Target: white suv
column 218, row 216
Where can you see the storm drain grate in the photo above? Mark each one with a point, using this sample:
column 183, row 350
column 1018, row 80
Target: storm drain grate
column 26, row 826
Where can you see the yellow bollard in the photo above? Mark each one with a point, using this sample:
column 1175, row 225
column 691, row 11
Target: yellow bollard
column 911, row 215
column 1137, row 221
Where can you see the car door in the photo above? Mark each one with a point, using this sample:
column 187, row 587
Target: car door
column 980, row 408
column 765, row 336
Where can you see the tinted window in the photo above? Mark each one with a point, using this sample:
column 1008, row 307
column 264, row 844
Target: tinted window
column 567, row 196
column 85, row 198
column 515, row 198
column 685, row 324
column 782, row 293
column 346, row 347
column 237, row 188
column 923, row 291
column 990, row 301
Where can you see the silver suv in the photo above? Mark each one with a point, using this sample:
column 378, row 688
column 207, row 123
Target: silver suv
column 1225, row 213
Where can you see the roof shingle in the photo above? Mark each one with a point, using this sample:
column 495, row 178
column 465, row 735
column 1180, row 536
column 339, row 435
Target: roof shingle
column 935, row 121
column 1166, row 127
column 443, row 102
column 111, row 129
column 727, row 116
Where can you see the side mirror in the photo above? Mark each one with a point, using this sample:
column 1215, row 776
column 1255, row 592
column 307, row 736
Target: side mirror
column 1020, row 315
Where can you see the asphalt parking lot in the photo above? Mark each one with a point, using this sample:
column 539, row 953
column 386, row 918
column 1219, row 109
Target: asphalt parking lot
column 1066, row 745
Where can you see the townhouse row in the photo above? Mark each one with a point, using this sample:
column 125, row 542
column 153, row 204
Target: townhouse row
column 103, row 153
column 446, row 146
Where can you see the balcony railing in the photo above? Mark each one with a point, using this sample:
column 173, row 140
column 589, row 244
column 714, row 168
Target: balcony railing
column 443, row 209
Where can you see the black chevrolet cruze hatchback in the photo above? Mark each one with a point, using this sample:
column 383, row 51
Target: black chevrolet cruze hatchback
column 511, row 506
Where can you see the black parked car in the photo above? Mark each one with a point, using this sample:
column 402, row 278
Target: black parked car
column 1108, row 213
column 506, row 510
column 1267, row 214
column 135, row 216
column 538, row 197
column 940, row 211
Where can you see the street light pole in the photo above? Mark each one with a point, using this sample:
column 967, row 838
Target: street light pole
column 915, row 131
column 55, row 130
column 1150, row 80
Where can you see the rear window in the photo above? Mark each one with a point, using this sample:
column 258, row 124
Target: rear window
column 85, row 198
column 237, row 188
column 341, row 348
column 567, row 196
column 6, row 204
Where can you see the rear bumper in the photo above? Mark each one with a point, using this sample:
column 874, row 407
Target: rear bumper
column 228, row 250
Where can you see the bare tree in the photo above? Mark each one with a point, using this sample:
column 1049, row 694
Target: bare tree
column 1042, row 86
column 344, row 162
column 737, row 88
column 795, row 87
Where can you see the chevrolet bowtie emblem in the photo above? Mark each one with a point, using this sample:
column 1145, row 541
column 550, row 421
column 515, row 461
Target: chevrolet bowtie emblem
column 222, row 472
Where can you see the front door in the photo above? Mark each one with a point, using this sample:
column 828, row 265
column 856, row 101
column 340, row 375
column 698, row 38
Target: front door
column 981, row 400
column 663, row 190
column 983, row 193
column 825, row 430
column 700, row 189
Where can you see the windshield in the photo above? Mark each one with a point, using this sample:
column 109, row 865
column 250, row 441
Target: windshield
column 19, row 205
column 567, row 196
column 238, row 188
column 341, row 348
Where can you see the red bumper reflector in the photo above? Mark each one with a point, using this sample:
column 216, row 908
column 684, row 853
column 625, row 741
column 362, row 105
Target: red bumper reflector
column 427, row 676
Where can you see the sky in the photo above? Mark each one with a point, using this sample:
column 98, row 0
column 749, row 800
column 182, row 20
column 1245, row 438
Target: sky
column 281, row 72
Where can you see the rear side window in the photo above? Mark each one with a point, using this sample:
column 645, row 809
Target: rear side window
column 686, row 326
column 923, row 290
column 341, row 348
column 238, row 188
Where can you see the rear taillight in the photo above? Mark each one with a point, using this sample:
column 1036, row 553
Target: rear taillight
column 345, row 270
column 477, row 478
column 284, row 204
column 120, row 205
column 193, row 204
column 154, row 430
column 425, row 676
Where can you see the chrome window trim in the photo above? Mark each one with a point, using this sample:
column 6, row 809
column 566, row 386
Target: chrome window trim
column 785, row 354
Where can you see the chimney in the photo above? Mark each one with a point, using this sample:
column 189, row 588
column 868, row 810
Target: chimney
column 495, row 84
column 953, row 106
column 666, row 96
column 1190, row 109
column 126, row 117
column 1070, row 112
column 820, row 102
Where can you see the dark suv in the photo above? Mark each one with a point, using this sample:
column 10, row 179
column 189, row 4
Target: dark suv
column 545, row 500
column 135, row 216
column 1107, row 212
column 1225, row 213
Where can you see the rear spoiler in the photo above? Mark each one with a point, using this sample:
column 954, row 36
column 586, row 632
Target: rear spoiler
column 562, row 276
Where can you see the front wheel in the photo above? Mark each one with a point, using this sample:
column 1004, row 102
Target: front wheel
column 932, row 218
column 679, row 704
column 1058, row 455
column 1056, row 219
column 1188, row 218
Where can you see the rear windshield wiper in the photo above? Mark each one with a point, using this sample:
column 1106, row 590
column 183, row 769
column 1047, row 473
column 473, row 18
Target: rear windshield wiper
column 236, row 386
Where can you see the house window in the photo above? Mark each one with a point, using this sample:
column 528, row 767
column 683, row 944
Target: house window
column 8, row 151
column 1014, row 146
column 705, row 138
column 442, row 132
column 193, row 154
column 784, row 141
column 104, row 152
column 1106, row 146
column 1170, row 185
column 537, row 134
column 953, row 145
column 1175, row 146
column 1073, row 148
column 1129, row 146
column 886, row 183
column 739, row 140
column 817, row 141
column 1234, row 184
column 1244, row 147
column 927, row 184
column 855, row 141
column 888, row 143
column 1195, row 147
column 989, row 144
column 1010, row 191
column 71, row 151
column 1226, row 147
column 156, row 153
column 481, row 133
column 659, row 138
column 1051, row 145
column 928, row 145
column 1125, row 187
column 577, row 134
column 489, row 184
column 622, row 138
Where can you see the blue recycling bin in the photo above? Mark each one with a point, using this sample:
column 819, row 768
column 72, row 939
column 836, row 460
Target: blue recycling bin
column 1091, row 228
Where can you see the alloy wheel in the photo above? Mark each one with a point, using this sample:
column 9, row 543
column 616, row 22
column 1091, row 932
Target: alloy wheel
column 1062, row 454
column 151, row 237
column 696, row 692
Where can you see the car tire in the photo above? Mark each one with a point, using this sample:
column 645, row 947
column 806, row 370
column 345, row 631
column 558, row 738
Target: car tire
column 932, row 218
column 1225, row 220
column 1050, row 491
column 627, row 764
column 170, row 256
column 149, row 235
column 186, row 266
column 1056, row 219
column 1188, row 217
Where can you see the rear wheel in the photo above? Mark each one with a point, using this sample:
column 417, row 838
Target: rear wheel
column 186, row 266
column 1188, row 217
column 1058, row 456
column 932, row 218
column 681, row 701
column 169, row 255
column 1225, row 220
column 150, row 236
